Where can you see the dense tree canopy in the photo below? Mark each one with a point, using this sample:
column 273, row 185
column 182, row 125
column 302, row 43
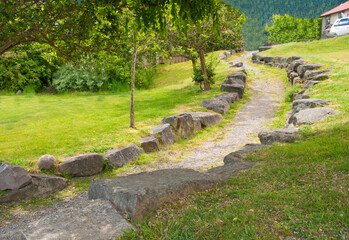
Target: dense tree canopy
column 69, row 22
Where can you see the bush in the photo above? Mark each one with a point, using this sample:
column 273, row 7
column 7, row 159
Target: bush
column 198, row 78
column 86, row 75
column 145, row 77
column 24, row 67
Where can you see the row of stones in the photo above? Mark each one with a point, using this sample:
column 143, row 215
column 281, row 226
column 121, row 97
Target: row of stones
column 235, row 85
column 304, row 109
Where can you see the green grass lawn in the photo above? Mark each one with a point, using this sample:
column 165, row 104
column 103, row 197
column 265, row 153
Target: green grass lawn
column 70, row 124
column 299, row 191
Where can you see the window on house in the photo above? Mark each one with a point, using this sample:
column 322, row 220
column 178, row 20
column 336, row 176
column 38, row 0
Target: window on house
column 328, row 20
column 341, row 15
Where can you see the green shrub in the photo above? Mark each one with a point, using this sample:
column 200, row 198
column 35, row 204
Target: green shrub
column 25, row 66
column 86, row 75
column 198, row 78
column 145, row 77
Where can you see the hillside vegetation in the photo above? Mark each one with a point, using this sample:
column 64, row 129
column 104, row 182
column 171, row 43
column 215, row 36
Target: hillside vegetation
column 299, row 191
column 260, row 12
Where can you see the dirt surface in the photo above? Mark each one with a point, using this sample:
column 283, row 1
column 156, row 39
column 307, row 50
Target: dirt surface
column 254, row 115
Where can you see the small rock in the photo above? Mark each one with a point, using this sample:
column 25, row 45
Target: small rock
column 150, row 144
column 297, row 80
column 238, row 88
column 229, row 98
column 13, row 177
column 267, row 137
column 123, row 156
column 303, row 68
column 41, row 186
column 19, row 92
column 298, row 96
column 308, row 84
column 302, row 104
column 164, row 133
column 216, row 105
column 47, row 162
column 206, row 119
column 82, row 165
column 184, row 124
column 312, row 115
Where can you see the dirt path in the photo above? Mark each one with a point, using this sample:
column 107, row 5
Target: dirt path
column 267, row 94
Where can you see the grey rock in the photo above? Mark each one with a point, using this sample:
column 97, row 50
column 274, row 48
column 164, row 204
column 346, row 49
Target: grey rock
column 242, row 153
column 13, row 177
column 267, row 137
column 82, row 165
column 294, row 65
column 254, row 56
column 238, row 88
column 197, row 124
column 123, row 156
column 19, row 92
column 47, row 162
column 293, row 75
column 164, row 133
column 303, row 68
column 268, row 59
column 207, row 119
column 234, row 81
column 293, row 58
column 241, row 76
column 310, row 116
column 96, row 220
column 229, row 98
column 264, row 48
column 170, row 119
column 184, row 124
column 41, row 186
column 150, row 144
column 302, row 104
column 238, row 65
column 297, row 80
column 309, row 83
column 216, row 105
column 319, row 77
column 260, row 58
column 139, row 194
column 240, row 70
column 309, row 75
column 299, row 96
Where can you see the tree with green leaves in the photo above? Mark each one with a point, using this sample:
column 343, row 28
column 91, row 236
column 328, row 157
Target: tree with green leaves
column 289, row 29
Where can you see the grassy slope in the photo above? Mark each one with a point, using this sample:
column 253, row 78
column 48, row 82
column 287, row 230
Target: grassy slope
column 65, row 125
column 300, row 191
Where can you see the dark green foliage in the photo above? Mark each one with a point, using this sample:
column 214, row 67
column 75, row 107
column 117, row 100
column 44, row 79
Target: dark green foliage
column 25, row 67
column 260, row 12
column 289, row 29
column 198, row 78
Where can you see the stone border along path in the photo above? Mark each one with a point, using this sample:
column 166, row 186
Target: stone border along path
column 138, row 194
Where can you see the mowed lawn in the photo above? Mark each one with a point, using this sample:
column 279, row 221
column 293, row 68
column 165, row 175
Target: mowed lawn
column 70, row 124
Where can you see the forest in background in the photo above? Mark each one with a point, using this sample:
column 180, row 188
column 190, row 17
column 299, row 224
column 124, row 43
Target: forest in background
column 260, row 12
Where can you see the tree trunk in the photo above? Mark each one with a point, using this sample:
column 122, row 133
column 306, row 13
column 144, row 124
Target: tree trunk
column 207, row 86
column 133, row 79
column 193, row 61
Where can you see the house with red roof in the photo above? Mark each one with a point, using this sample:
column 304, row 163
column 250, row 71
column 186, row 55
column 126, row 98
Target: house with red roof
column 328, row 18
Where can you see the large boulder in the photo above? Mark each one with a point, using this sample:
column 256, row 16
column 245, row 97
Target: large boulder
column 164, row 133
column 150, row 144
column 47, row 162
column 184, row 125
column 310, row 116
column 314, row 75
column 13, row 177
column 206, row 119
column 82, row 165
column 302, row 104
column 267, row 137
column 87, row 220
column 242, row 153
column 123, row 156
column 229, row 98
column 303, row 68
column 216, row 105
column 235, row 81
column 294, row 65
column 238, row 88
column 41, row 186
column 141, row 193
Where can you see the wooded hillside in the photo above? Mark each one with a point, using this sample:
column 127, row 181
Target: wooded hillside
column 260, row 12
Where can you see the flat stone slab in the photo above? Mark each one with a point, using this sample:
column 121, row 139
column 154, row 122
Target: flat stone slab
column 229, row 98
column 141, row 193
column 207, row 119
column 216, row 105
column 302, row 104
column 164, row 133
column 306, row 67
column 278, row 135
column 96, row 220
column 236, row 87
column 83, row 165
column 241, row 76
column 123, row 156
column 150, row 144
column 13, row 177
column 234, row 81
column 310, row 116
column 41, row 186
column 242, row 153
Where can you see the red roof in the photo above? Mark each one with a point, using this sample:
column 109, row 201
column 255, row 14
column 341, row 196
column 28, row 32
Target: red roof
column 340, row 8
